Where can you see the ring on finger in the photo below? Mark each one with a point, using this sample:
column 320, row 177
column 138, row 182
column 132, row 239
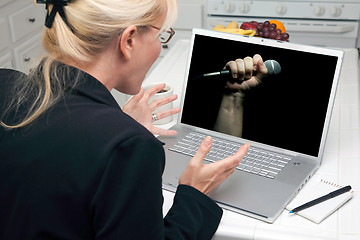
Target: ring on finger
column 154, row 117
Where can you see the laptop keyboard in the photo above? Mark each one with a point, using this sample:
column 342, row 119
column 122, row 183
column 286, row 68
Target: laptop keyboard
column 256, row 161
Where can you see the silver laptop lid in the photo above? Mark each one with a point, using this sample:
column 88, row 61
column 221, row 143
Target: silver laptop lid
column 290, row 111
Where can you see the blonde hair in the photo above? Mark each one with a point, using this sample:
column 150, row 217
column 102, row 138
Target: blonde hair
column 94, row 24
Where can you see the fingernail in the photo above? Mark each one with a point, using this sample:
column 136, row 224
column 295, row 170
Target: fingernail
column 207, row 141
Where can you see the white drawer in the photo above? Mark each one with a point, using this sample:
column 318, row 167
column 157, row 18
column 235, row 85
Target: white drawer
column 6, row 60
column 5, row 40
column 26, row 20
column 28, row 53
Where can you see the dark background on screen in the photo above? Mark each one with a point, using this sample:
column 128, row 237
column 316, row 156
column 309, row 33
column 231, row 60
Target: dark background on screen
column 287, row 111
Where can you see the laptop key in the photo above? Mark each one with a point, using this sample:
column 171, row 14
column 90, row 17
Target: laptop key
column 271, row 175
column 256, row 161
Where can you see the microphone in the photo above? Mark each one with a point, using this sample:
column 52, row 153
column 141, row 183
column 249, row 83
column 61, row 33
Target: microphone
column 272, row 66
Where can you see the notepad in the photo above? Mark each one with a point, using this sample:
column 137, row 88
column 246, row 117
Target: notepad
column 319, row 212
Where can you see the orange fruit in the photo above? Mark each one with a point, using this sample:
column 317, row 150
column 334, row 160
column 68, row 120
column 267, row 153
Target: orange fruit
column 279, row 25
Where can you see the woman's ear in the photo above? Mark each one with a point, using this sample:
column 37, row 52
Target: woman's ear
column 127, row 41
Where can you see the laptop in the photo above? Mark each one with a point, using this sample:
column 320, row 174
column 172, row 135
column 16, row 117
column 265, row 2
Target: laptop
column 285, row 118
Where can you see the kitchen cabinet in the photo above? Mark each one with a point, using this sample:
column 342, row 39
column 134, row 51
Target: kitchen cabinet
column 28, row 53
column 6, row 60
column 21, row 26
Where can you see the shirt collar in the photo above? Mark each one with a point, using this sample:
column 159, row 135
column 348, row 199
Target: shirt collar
column 91, row 87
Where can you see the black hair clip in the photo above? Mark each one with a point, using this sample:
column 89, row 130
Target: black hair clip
column 57, row 8
column 49, row 1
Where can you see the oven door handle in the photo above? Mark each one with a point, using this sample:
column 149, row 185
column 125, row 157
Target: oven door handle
column 319, row 28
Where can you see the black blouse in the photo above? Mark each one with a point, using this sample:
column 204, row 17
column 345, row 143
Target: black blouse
column 87, row 170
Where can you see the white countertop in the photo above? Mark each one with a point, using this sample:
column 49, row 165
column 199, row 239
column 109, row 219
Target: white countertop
column 341, row 163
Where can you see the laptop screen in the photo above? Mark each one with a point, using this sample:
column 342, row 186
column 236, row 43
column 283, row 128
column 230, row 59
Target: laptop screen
column 287, row 110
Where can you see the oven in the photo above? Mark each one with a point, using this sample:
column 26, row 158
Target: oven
column 318, row 22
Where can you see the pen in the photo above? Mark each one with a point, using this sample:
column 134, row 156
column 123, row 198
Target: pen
column 322, row 199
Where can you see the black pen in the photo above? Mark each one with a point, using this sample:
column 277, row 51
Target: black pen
column 322, row 199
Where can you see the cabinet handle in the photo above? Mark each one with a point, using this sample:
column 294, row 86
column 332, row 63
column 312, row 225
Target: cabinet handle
column 27, row 59
column 32, row 20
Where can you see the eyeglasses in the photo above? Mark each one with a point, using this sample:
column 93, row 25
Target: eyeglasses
column 166, row 35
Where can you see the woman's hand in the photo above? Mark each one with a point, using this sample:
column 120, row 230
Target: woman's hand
column 138, row 107
column 206, row 177
column 242, row 72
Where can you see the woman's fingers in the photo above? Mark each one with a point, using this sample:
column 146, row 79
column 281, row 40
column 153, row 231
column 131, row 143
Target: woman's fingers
column 153, row 90
column 233, row 161
column 162, row 132
column 162, row 101
column 201, row 153
column 164, row 114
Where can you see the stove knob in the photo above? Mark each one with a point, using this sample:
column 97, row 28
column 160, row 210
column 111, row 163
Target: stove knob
column 319, row 11
column 244, row 7
column 229, row 7
column 335, row 11
column 281, row 9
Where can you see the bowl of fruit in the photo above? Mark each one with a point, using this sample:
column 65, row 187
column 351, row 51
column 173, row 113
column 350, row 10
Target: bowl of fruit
column 272, row 29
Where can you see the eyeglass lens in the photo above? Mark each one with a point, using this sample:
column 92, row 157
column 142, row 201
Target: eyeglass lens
column 164, row 37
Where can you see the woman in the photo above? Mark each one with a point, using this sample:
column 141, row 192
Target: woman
column 73, row 164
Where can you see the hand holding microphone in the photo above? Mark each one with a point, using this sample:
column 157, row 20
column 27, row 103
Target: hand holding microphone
column 245, row 73
column 242, row 74
column 238, row 76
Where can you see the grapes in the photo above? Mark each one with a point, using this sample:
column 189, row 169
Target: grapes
column 285, row 36
column 269, row 30
column 267, row 34
column 273, row 34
